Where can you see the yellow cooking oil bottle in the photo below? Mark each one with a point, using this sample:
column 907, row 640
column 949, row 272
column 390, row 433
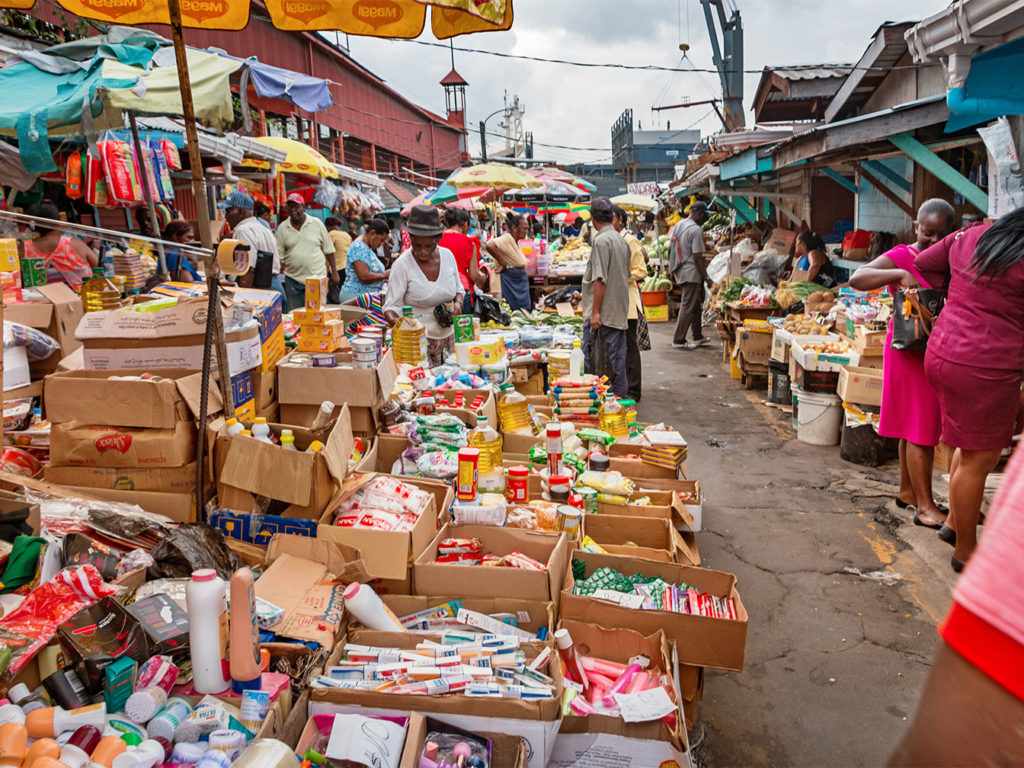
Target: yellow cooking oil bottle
column 486, row 438
column 613, row 418
column 409, row 339
column 513, row 410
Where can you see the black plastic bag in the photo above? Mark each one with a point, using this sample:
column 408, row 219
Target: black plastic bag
column 189, row 547
column 488, row 308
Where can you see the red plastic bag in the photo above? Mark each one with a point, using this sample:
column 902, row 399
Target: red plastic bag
column 859, row 238
column 171, row 156
column 74, row 176
column 30, row 626
column 96, row 192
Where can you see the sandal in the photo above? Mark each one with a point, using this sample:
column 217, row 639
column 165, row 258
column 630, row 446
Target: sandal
column 947, row 535
column 958, row 565
column 923, row 524
column 901, row 504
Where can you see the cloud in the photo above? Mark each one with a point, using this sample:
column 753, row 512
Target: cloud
column 575, row 107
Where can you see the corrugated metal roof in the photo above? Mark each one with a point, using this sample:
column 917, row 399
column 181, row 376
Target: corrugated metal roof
column 812, row 71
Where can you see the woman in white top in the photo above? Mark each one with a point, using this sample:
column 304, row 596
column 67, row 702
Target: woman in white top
column 426, row 278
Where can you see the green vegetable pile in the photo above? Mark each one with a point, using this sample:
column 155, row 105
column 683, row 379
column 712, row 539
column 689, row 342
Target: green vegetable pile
column 714, row 220
column 659, row 281
column 735, row 288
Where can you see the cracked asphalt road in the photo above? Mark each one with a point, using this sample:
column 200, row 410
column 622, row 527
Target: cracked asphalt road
column 844, row 593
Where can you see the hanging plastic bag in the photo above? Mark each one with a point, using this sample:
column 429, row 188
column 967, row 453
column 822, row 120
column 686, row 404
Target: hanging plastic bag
column 170, row 153
column 96, row 191
column 145, row 162
column 121, row 172
column 163, row 175
column 74, row 180
column 326, row 195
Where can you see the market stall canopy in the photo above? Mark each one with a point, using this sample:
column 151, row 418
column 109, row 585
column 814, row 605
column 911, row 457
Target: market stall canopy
column 91, row 82
column 630, row 202
column 548, row 193
column 494, row 176
column 368, row 18
column 299, row 159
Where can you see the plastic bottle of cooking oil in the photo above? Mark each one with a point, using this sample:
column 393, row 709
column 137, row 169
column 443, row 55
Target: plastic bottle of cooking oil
column 576, row 359
column 99, row 292
column 409, row 339
column 484, row 437
column 513, row 411
column 613, row 418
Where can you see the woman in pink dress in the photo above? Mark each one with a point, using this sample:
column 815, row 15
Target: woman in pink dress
column 910, row 407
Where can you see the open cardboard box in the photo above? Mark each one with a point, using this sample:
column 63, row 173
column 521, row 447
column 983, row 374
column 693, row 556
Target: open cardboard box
column 531, row 615
column 701, row 640
column 488, row 408
column 56, row 312
column 364, row 420
column 687, row 496
column 179, row 507
column 642, row 537
column 625, row 458
column 305, row 481
column 432, row 578
column 647, row 743
column 862, row 386
column 382, row 454
column 507, row 750
column 518, row 709
column 299, row 385
column 171, row 338
column 90, row 397
column 662, row 504
column 388, row 554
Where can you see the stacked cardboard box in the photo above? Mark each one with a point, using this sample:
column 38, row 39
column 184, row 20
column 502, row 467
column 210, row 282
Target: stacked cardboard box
column 320, row 329
column 129, row 440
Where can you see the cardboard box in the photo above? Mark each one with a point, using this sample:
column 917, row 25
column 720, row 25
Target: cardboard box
column 700, row 640
column 252, row 530
column 16, row 371
column 54, row 309
column 364, row 420
column 625, row 458
column 781, row 340
column 622, row 645
column 686, row 505
column 85, row 445
column 488, row 408
column 431, row 578
column 387, row 554
column 384, row 450
column 869, row 343
column 657, row 314
column 811, row 360
column 862, row 386
column 159, row 479
column 644, row 538
column 305, row 481
column 168, row 338
column 90, row 397
column 243, row 399
column 354, row 386
column 755, row 346
column 507, row 750
column 781, row 240
column 264, row 388
column 267, row 311
column 177, row 507
column 530, row 615
column 306, row 578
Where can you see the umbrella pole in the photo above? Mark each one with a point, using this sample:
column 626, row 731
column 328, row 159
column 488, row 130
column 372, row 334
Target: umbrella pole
column 214, row 315
column 147, row 194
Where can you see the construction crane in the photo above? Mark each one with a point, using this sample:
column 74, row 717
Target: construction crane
column 713, row 102
column 728, row 59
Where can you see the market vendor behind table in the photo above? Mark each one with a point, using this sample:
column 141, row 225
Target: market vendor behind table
column 511, row 264
column 67, row 259
column 426, row 278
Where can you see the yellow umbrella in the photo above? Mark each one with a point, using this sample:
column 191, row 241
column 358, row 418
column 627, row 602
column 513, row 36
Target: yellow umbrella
column 630, row 202
column 494, row 175
column 301, row 159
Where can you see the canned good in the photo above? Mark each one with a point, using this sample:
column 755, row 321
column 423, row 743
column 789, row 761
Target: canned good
column 366, row 366
column 363, row 345
column 324, row 360
column 569, row 519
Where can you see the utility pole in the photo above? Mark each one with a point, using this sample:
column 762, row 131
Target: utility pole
column 483, row 141
column 728, row 60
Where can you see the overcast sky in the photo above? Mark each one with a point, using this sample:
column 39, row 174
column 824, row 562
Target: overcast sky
column 576, row 107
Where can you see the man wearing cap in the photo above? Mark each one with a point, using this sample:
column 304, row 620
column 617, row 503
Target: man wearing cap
column 606, row 298
column 240, row 216
column 686, row 265
column 306, row 250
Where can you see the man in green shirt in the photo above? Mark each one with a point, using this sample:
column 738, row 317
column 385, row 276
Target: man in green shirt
column 305, row 249
column 606, row 297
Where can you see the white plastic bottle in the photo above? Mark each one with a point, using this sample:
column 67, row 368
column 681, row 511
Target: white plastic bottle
column 206, row 599
column 363, row 603
column 147, row 754
column 233, row 427
column 576, row 360
column 261, row 431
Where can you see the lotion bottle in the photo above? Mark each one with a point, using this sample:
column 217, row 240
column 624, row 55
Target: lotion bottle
column 245, row 633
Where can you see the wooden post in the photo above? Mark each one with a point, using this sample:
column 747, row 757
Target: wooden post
column 941, row 170
column 881, row 186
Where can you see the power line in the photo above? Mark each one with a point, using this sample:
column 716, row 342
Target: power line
column 649, row 67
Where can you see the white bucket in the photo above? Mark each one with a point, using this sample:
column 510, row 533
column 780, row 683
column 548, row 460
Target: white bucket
column 820, row 418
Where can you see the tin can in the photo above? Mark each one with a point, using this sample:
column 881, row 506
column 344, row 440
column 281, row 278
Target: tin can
column 569, row 519
column 324, row 360
column 466, row 479
column 518, row 484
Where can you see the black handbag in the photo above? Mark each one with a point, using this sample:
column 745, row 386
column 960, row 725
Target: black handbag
column 914, row 311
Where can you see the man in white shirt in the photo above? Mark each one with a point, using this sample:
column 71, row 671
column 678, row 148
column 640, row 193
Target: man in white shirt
column 238, row 211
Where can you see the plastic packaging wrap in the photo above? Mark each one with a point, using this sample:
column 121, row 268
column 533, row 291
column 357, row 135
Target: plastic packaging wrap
column 192, row 546
column 38, row 345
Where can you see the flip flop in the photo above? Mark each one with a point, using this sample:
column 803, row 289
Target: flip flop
column 923, row 524
column 947, row 535
column 901, row 504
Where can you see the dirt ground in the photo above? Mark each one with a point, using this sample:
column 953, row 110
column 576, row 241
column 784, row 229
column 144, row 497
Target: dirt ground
column 844, row 594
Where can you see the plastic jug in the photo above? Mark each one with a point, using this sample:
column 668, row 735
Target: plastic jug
column 409, row 339
column 485, row 438
column 513, row 410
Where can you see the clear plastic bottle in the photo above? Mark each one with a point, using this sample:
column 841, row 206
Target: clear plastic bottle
column 409, row 339
column 484, row 437
column 513, row 411
column 260, row 430
column 99, row 292
column 613, row 418
column 576, row 359
column 288, row 440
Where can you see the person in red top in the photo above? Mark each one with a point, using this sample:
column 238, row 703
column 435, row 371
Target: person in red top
column 972, row 705
column 975, row 359
column 466, row 250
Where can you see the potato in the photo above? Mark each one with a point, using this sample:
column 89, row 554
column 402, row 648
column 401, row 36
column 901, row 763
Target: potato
column 828, row 296
column 815, row 298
